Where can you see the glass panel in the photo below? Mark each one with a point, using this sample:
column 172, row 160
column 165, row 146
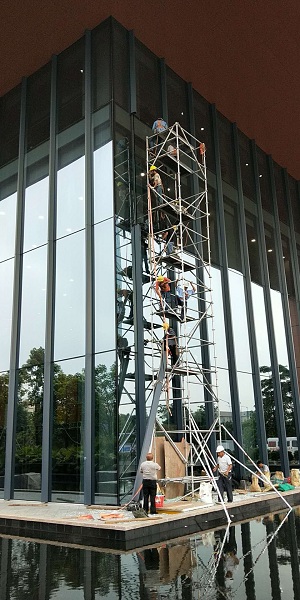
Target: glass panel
column 28, row 464
column 103, row 183
column 38, row 112
column 271, row 256
column 70, row 185
column 280, row 194
column 9, row 125
column 247, row 411
column 203, row 128
column 147, row 78
column 282, row 356
column 288, row 265
column 6, row 298
column 36, row 208
column 246, row 163
column 177, row 99
column 67, row 440
column 239, row 319
column 293, row 188
column 253, row 248
column 105, row 309
column 4, row 380
column 226, row 150
column 101, row 65
column 33, row 308
column 69, row 337
column 106, row 480
column 232, row 235
column 264, row 360
column 8, row 207
column 219, row 326
column 225, row 408
column 121, row 66
column 264, row 181
column 70, row 86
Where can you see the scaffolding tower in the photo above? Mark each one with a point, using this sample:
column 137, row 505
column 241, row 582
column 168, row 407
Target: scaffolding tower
column 181, row 384
column 179, row 298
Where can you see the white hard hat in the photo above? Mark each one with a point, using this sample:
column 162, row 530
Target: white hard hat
column 220, row 449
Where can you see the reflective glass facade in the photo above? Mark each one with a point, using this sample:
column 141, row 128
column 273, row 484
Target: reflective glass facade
column 75, row 375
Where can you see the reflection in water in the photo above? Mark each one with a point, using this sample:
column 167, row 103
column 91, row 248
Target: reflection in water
column 256, row 560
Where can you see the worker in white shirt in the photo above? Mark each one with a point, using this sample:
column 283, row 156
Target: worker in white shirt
column 224, row 466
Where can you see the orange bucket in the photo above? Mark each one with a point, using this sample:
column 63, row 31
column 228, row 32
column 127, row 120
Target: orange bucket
column 159, row 501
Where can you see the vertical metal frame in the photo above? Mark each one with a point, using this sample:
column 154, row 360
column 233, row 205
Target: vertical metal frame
column 294, row 255
column 209, row 408
column 285, row 305
column 269, row 318
column 233, row 382
column 136, row 244
column 50, row 300
column 16, row 309
column 164, row 94
column 89, row 408
column 259, row 409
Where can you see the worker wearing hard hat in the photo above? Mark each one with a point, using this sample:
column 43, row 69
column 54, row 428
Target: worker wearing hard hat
column 155, row 183
column 170, row 342
column 224, row 466
column 163, row 290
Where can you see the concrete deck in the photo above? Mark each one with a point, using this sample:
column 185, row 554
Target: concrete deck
column 97, row 527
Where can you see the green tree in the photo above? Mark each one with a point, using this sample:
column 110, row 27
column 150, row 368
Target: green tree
column 267, row 388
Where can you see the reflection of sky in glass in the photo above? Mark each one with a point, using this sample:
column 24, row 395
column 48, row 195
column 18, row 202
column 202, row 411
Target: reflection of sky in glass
column 103, row 183
column 260, row 325
column 239, row 322
column 73, row 366
column 70, row 198
column 70, row 297
column 246, row 395
column 279, row 328
column 7, row 226
column 36, row 214
column 33, row 307
column 6, row 287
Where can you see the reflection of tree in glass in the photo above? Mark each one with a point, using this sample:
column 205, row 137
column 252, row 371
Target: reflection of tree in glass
column 105, row 417
column 267, row 388
column 3, row 404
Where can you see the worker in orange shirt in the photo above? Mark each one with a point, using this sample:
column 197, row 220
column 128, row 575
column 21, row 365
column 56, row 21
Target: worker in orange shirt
column 163, row 290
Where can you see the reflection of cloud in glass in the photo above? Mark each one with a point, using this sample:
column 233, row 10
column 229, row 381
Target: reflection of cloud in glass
column 70, row 191
column 70, row 322
column 103, row 182
column 279, row 328
column 6, row 287
column 36, row 214
column 260, row 324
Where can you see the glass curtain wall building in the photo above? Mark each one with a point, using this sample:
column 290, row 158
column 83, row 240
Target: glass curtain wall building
column 74, row 382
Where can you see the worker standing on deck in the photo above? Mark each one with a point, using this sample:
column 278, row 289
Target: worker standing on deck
column 149, row 470
column 170, row 343
column 224, row 465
